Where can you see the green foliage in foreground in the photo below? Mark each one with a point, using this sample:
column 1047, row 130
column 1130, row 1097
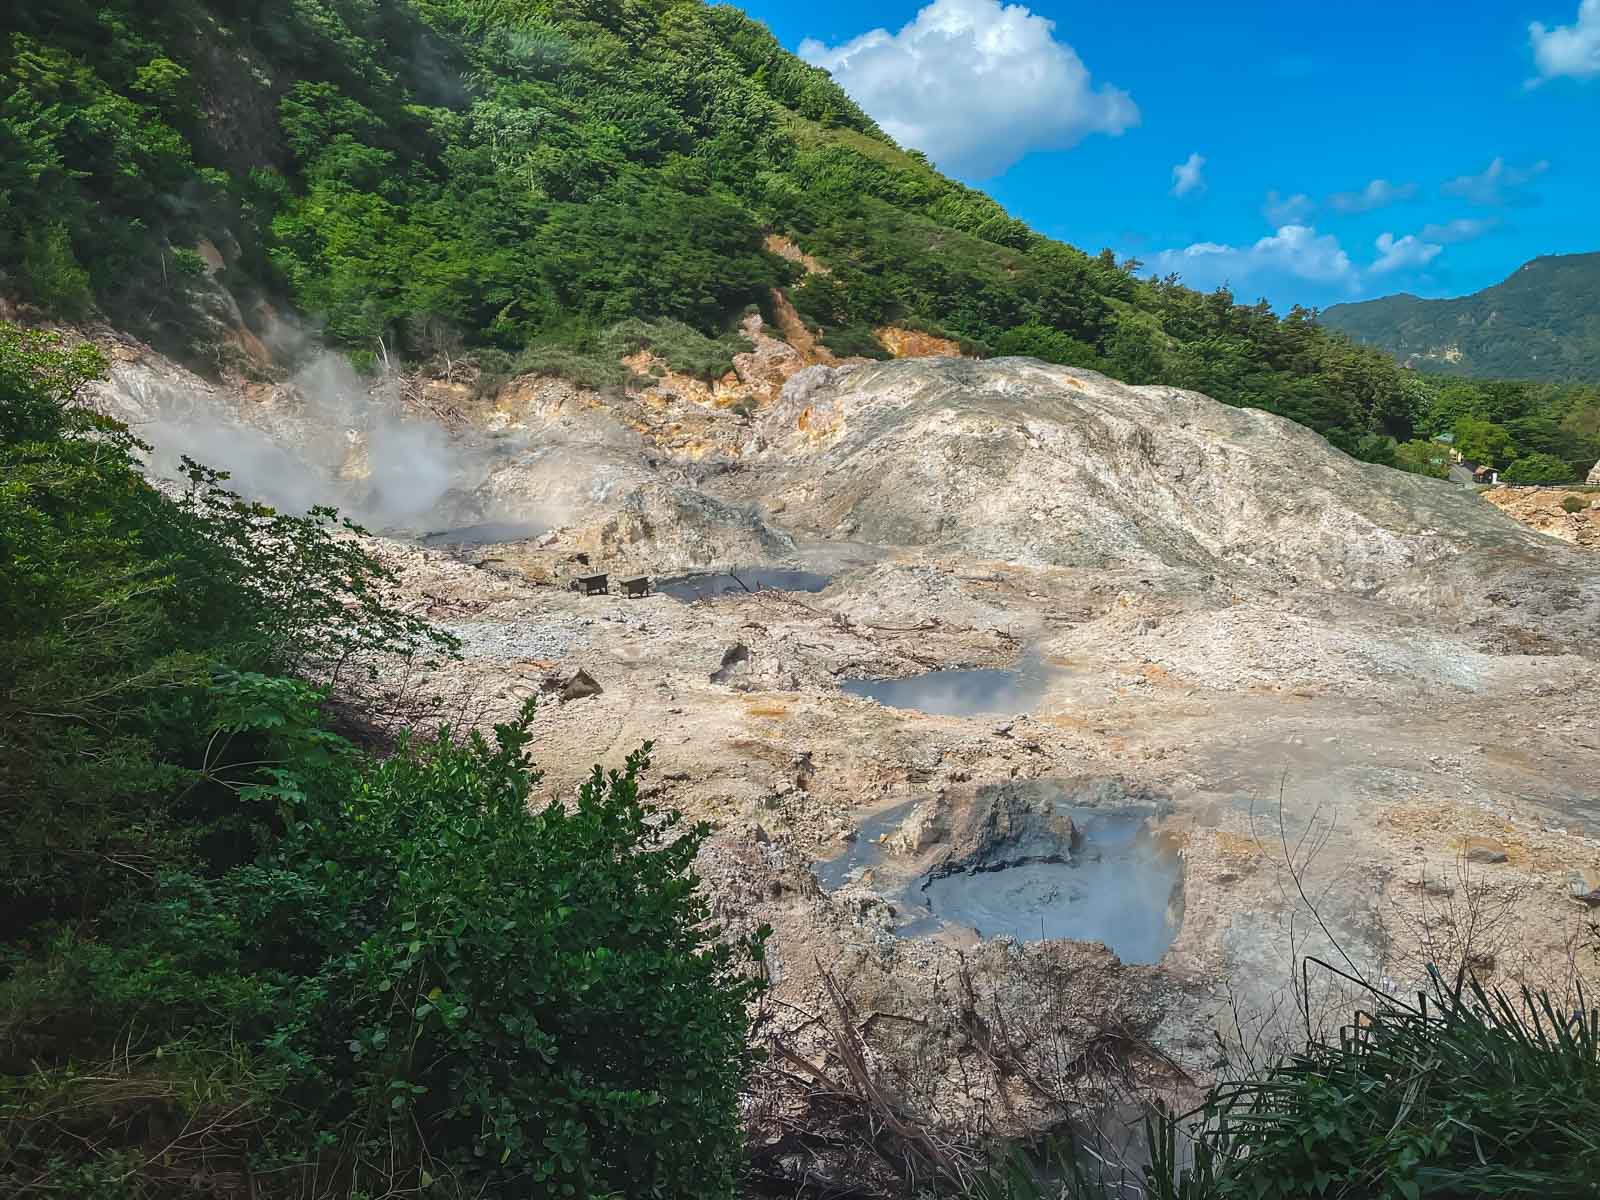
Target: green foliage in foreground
column 239, row 953
column 1470, row 1093
column 530, row 180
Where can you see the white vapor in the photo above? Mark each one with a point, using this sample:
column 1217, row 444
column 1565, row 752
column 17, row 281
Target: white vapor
column 1568, row 50
column 1498, row 184
column 1189, row 175
column 1380, row 193
column 1287, row 210
column 975, row 85
column 1395, row 254
column 325, row 438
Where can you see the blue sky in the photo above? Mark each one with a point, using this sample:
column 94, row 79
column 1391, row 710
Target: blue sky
column 1307, row 153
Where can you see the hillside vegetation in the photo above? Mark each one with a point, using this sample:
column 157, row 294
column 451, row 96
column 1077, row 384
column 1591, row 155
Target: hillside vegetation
column 517, row 177
column 1541, row 324
column 1532, row 432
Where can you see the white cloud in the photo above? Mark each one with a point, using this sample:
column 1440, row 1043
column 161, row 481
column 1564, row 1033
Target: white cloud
column 1287, row 210
column 1380, row 193
column 1396, row 254
column 1295, row 252
column 1189, row 175
column 1462, row 229
column 1497, row 185
column 975, row 85
column 1571, row 50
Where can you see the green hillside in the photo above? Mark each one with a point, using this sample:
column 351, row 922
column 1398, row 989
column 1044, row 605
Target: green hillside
column 1543, row 324
column 520, row 176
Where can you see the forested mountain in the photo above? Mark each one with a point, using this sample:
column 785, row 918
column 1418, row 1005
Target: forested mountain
column 520, row 176
column 1543, row 323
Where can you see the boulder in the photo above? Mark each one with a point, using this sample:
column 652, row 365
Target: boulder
column 922, row 829
column 1594, row 474
column 580, row 686
column 1485, row 850
column 734, row 659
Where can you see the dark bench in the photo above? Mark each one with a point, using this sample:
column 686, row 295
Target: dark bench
column 591, row 585
column 636, row 587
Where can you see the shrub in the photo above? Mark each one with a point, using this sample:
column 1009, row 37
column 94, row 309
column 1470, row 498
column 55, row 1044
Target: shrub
column 540, row 1000
column 1538, row 468
column 1049, row 345
column 227, row 936
column 54, row 277
column 683, row 348
column 595, row 371
column 188, row 263
column 1573, row 504
column 1466, row 1093
column 855, row 341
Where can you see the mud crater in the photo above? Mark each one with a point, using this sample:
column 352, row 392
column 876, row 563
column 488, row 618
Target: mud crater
column 1032, row 862
column 486, row 533
column 690, row 588
column 961, row 692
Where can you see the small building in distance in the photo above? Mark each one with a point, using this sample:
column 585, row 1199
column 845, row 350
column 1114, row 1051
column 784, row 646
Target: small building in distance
column 1464, row 470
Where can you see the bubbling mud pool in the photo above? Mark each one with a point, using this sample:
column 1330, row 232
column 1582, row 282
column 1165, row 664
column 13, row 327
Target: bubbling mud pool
column 1120, row 884
column 488, row 533
column 977, row 692
column 703, row 587
column 1110, row 878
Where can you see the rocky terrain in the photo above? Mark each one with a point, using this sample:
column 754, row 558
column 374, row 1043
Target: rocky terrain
column 1542, row 508
column 1347, row 710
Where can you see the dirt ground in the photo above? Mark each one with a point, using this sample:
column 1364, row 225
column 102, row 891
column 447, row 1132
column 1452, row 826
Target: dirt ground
column 1323, row 770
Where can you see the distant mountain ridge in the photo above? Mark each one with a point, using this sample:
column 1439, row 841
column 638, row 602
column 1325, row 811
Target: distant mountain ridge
column 1542, row 323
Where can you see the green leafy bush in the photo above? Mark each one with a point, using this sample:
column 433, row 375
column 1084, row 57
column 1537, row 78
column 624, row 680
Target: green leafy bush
column 1573, row 504
column 230, row 940
column 855, row 341
column 683, row 348
column 1538, row 468
column 592, row 369
column 1050, row 345
column 52, row 273
column 540, row 1001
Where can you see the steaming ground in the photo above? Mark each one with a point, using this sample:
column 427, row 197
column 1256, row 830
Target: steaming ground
column 324, row 436
column 1326, row 679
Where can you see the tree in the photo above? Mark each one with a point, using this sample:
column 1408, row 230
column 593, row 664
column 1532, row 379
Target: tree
column 1538, row 468
column 1050, row 345
column 1453, row 402
column 1483, row 441
column 1423, row 458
